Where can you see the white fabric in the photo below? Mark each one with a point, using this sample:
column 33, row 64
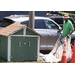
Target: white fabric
column 56, row 54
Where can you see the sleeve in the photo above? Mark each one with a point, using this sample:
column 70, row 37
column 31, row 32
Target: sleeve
column 71, row 26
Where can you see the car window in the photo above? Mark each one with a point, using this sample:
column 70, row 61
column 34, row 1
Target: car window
column 51, row 25
column 39, row 24
column 6, row 22
column 59, row 20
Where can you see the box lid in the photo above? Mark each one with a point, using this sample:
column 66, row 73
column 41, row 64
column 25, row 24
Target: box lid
column 13, row 28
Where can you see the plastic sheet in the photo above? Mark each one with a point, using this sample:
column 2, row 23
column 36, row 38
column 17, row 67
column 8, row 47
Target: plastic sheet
column 56, row 54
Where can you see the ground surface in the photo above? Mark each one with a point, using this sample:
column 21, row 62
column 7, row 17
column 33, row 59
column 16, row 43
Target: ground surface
column 40, row 59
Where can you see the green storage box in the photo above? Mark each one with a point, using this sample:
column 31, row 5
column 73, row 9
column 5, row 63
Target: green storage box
column 19, row 43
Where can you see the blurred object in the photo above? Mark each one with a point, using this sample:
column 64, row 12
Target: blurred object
column 73, row 55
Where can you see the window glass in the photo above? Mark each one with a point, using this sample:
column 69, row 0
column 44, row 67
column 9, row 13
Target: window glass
column 40, row 24
column 51, row 25
column 6, row 22
column 59, row 20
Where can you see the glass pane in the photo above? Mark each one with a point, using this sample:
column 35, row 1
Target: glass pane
column 51, row 25
column 40, row 24
column 6, row 22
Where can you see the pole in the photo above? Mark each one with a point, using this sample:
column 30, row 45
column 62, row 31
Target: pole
column 31, row 19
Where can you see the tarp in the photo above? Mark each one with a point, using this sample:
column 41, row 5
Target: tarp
column 56, row 54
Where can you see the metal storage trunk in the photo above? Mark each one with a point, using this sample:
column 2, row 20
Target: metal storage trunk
column 19, row 43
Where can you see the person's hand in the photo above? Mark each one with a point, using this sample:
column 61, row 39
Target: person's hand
column 59, row 31
column 68, row 35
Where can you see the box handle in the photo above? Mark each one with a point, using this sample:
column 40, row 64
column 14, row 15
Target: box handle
column 29, row 43
column 19, row 44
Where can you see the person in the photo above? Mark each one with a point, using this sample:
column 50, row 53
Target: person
column 68, row 27
column 65, row 37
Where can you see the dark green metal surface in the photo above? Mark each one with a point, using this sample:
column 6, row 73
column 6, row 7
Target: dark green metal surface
column 29, row 32
column 3, row 47
column 23, row 49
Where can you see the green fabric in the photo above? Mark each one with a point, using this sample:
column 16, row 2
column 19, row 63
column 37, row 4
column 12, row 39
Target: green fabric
column 67, row 28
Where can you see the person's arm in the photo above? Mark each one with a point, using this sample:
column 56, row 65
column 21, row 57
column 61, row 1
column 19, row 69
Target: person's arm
column 72, row 29
column 61, row 29
column 70, row 33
